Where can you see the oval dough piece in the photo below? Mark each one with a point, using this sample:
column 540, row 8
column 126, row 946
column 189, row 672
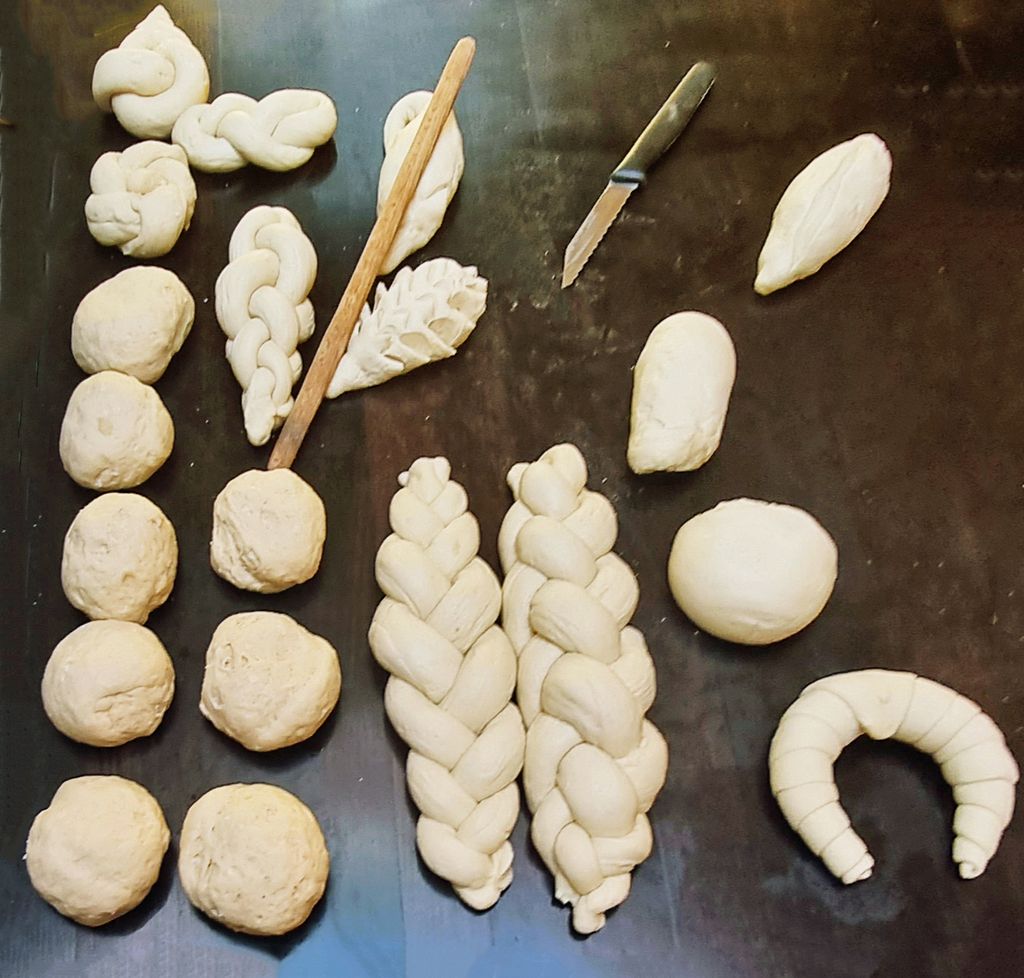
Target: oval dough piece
column 134, row 322
column 681, row 387
column 252, row 857
column 120, row 558
column 116, row 432
column 268, row 682
column 752, row 572
column 108, row 682
column 96, row 852
column 269, row 529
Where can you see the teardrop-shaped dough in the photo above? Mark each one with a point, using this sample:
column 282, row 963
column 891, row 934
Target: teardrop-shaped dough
column 829, row 203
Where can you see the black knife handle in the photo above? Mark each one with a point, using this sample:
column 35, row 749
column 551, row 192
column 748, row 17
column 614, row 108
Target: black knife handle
column 664, row 129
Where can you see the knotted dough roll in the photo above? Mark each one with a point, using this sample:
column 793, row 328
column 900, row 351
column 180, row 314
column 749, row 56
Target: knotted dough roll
column 594, row 763
column 452, row 675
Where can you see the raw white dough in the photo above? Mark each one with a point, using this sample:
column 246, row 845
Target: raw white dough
column 883, row 704
column 134, row 322
column 142, row 199
column 269, row 529
column 452, row 672
column 95, row 853
column 829, row 203
column 120, row 558
column 268, row 681
column 279, row 132
column 116, row 432
column 438, row 184
column 425, row 315
column 151, row 77
column 253, row 858
column 594, row 763
column 681, row 387
column 264, row 310
column 752, row 572
column 108, row 682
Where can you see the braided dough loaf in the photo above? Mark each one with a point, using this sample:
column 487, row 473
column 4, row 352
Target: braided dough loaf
column 593, row 763
column 262, row 307
column 425, row 315
column 452, row 674
column 142, row 199
column 279, row 132
column 438, row 184
column 833, row 712
column 151, row 77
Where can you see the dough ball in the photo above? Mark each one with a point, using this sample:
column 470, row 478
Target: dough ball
column 134, row 322
column 268, row 681
column 681, row 387
column 268, row 531
column 253, row 858
column 116, row 432
column 752, row 572
column 120, row 558
column 108, row 682
column 95, row 853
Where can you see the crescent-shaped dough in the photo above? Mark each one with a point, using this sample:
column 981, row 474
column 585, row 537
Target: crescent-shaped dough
column 836, row 710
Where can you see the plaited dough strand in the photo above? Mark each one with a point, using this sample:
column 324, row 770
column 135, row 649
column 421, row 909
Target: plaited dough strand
column 594, row 764
column 452, row 672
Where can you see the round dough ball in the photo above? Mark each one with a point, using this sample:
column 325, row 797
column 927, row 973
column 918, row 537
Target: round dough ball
column 268, row 531
column 268, row 682
column 108, row 682
column 116, row 432
column 95, row 853
column 253, row 858
column 752, row 572
column 120, row 558
column 134, row 322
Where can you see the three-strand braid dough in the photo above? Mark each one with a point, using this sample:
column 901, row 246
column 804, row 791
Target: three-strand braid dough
column 452, row 675
column 263, row 309
column 836, row 710
column 593, row 763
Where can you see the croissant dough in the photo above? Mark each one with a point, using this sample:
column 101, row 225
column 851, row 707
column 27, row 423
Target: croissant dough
column 829, row 203
column 438, row 184
column 425, row 315
column 832, row 712
column 452, row 671
column 594, row 763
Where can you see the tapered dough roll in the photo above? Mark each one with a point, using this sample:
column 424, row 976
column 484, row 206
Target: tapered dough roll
column 830, row 713
column 594, row 764
column 452, row 672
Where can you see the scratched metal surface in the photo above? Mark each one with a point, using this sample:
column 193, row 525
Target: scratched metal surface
column 884, row 395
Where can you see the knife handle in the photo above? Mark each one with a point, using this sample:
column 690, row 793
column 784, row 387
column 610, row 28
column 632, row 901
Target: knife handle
column 664, row 129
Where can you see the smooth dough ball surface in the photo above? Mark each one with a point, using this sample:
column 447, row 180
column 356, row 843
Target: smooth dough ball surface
column 268, row 531
column 120, row 558
column 95, row 853
column 108, row 682
column 268, row 682
column 134, row 322
column 253, row 858
column 752, row 572
column 116, row 432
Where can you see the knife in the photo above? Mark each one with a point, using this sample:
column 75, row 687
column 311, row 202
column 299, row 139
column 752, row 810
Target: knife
column 661, row 132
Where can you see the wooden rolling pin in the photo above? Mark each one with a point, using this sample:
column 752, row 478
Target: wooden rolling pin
column 339, row 329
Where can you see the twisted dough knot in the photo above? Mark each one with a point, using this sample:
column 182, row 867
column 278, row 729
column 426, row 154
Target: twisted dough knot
column 151, row 78
column 141, row 200
column 593, row 763
column 452, row 674
column 279, row 132
column 263, row 310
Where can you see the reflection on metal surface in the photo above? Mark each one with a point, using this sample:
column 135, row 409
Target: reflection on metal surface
column 593, row 229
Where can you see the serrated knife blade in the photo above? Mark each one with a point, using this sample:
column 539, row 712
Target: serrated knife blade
column 661, row 132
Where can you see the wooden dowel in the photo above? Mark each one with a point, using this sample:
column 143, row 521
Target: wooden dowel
column 339, row 329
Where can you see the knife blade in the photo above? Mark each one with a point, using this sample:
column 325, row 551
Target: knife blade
column 661, row 132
